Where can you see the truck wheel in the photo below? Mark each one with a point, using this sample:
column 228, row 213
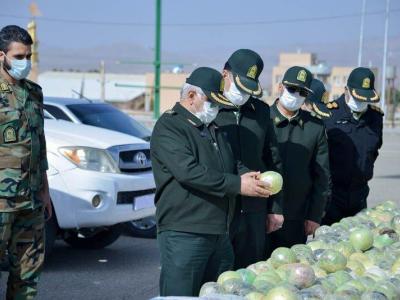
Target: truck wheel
column 51, row 230
column 145, row 227
column 93, row 238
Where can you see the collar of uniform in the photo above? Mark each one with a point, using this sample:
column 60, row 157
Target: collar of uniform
column 187, row 115
column 21, row 83
column 248, row 105
column 279, row 117
column 27, row 84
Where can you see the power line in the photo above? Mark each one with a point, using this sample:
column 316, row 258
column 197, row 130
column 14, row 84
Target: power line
column 211, row 24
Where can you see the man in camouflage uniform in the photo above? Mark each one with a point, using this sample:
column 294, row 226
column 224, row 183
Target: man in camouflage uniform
column 24, row 192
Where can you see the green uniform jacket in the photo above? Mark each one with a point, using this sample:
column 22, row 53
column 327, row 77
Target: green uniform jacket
column 23, row 158
column 251, row 135
column 194, row 171
column 306, row 178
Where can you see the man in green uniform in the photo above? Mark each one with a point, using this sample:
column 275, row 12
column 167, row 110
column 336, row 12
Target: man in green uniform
column 24, row 191
column 197, row 179
column 304, row 151
column 252, row 138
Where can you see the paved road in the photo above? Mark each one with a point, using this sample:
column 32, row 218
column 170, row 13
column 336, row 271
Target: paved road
column 129, row 268
column 386, row 182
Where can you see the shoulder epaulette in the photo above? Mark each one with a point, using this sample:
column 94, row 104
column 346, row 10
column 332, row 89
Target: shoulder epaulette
column 377, row 109
column 315, row 115
column 332, row 105
column 170, row 112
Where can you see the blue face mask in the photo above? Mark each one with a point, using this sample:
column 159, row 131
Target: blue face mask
column 19, row 68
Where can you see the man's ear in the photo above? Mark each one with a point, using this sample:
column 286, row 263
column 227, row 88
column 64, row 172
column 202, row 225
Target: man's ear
column 346, row 93
column 280, row 88
column 225, row 73
column 191, row 96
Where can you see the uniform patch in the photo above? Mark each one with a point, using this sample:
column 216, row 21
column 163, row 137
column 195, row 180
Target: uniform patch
column 5, row 88
column 277, row 120
column 302, row 76
column 9, row 135
column 252, row 72
column 366, row 84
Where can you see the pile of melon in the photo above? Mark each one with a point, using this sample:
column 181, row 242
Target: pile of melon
column 356, row 258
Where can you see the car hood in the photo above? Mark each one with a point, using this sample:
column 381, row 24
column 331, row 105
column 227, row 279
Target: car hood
column 62, row 133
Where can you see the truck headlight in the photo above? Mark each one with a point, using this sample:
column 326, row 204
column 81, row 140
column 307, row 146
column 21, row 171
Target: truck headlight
column 90, row 159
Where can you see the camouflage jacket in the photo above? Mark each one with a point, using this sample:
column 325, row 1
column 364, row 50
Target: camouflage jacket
column 23, row 158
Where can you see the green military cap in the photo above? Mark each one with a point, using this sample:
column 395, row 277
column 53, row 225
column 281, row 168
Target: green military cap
column 319, row 93
column 298, row 77
column 246, row 66
column 211, row 83
column 361, row 85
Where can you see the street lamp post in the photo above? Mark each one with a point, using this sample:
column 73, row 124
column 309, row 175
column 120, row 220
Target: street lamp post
column 157, row 61
column 385, row 46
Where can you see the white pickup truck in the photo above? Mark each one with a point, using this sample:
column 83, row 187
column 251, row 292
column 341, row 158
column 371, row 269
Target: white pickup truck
column 103, row 115
column 98, row 179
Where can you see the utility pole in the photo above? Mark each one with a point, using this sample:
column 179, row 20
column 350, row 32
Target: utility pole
column 157, row 61
column 360, row 48
column 35, row 55
column 102, row 81
column 35, row 12
column 385, row 45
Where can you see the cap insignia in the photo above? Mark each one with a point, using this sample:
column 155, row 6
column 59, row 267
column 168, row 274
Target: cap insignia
column 302, row 76
column 252, row 72
column 366, row 84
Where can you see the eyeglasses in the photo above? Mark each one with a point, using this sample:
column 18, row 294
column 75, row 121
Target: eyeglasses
column 293, row 89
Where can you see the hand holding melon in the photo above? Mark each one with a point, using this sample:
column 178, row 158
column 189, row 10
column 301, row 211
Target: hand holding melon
column 274, row 179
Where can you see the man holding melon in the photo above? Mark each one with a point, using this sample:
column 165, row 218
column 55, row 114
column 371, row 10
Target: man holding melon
column 304, row 151
column 197, row 180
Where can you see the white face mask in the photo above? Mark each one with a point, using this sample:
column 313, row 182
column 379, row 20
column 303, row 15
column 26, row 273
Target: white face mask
column 235, row 96
column 357, row 106
column 208, row 114
column 19, row 68
column 291, row 101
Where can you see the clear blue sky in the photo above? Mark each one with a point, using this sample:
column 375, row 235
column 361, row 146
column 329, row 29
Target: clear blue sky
column 334, row 40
